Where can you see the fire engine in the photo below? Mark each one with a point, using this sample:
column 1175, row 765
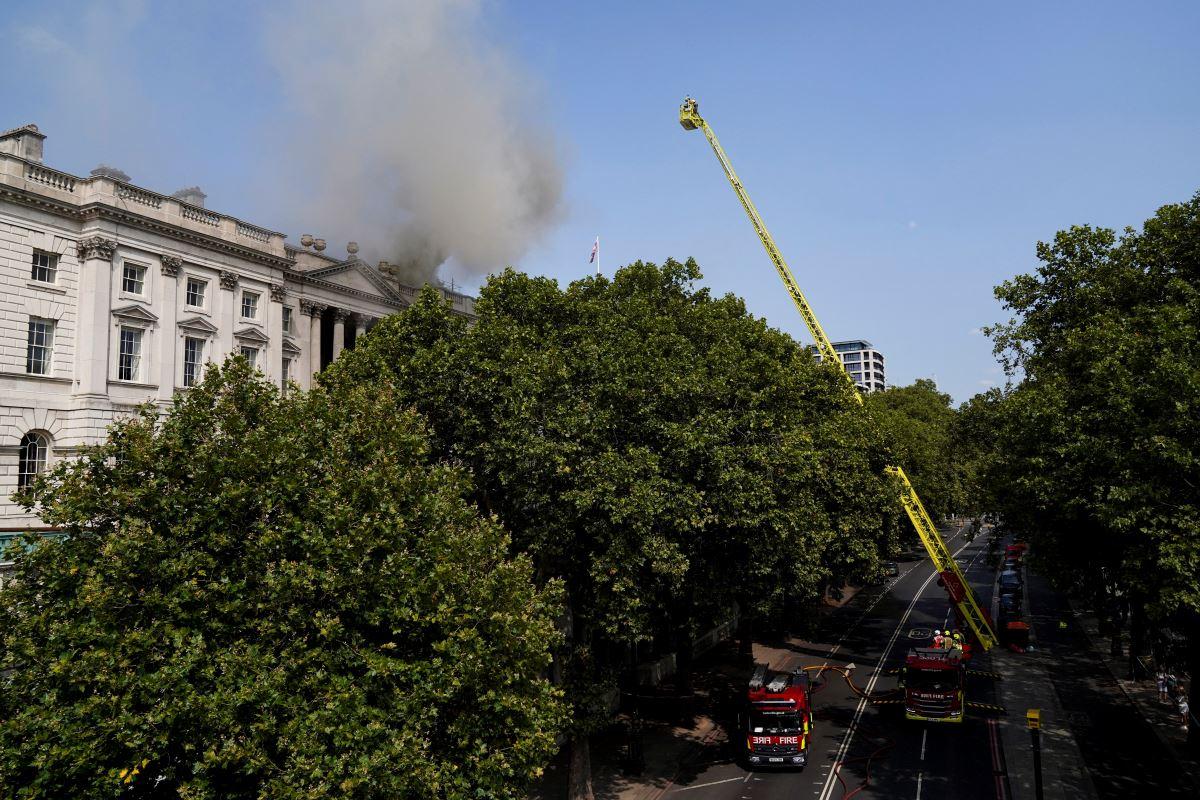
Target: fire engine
column 777, row 719
column 933, row 681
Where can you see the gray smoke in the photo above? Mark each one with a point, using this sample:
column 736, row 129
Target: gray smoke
column 416, row 136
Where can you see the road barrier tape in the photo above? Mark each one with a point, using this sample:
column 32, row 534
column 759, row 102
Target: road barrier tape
column 981, row 673
column 986, row 707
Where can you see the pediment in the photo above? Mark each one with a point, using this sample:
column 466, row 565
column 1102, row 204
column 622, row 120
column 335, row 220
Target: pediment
column 198, row 325
column 290, row 348
column 252, row 335
column 135, row 313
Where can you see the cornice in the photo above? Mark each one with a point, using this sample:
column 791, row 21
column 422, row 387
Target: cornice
column 301, row 278
column 100, row 211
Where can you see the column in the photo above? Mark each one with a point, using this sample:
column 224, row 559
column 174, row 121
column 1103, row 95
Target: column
column 304, row 369
column 339, row 331
column 95, row 255
column 228, row 312
column 314, row 339
column 169, row 344
column 360, row 328
column 274, row 354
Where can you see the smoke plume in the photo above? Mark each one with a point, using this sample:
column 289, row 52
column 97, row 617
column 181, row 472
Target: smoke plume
column 415, row 134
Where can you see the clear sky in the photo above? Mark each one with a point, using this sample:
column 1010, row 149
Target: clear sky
column 906, row 156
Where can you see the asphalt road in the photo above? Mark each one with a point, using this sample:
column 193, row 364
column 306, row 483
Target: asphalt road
column 902, row 759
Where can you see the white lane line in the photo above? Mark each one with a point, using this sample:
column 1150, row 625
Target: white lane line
column 702, row 785
column 920, row 777
column 884, row 593
column 924, row 734
column 827, row 790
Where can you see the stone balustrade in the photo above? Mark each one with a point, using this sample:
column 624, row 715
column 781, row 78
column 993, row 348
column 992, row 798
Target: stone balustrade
column 50, row 177
column 253, row 232
column 201, row 215
column 103, row 190
column 126, row 191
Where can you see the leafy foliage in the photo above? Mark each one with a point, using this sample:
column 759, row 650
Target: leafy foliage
column 918, row 423
column 659, row 450
column 1096, row 448
column 271, row 597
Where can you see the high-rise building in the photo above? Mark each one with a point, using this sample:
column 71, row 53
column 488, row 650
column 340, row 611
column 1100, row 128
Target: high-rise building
column 862, row 361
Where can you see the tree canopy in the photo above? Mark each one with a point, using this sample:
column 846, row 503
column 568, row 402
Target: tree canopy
column 918, row 424
column 272, row 597
column 1095, row 448
column 660, row 450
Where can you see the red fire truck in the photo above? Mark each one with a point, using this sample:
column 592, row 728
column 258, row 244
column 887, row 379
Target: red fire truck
column 777, row 718
column 932, row 680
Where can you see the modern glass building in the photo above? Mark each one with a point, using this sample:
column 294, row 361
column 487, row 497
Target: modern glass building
column 863, row 362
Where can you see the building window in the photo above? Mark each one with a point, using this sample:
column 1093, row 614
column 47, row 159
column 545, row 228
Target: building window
column 287, row 319
column 32, row 459
column 129, row 362
column 195, row 292
column 133, row 279
column 40, row 346
column 193, row 359
column 251, row 355
column 249, row 305
column 285, row 372
column 45, row 267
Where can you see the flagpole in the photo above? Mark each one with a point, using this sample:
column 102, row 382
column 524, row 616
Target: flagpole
column 597, row 255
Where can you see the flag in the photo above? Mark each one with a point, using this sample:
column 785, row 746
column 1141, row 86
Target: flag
column 595, row 250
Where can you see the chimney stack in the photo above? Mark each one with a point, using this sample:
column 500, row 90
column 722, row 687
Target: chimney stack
column 23, row 142
column 105, row 171
column 192, row 196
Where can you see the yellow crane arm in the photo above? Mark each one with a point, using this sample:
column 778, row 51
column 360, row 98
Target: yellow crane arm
column 690, row 119
column 943, row 561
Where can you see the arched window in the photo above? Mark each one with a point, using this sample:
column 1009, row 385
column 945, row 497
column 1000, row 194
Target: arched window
column 34, row 449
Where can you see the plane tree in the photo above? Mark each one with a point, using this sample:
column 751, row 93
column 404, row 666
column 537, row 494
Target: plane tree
column 918, row 426
column 1096, row 446
column 272, row 596
column 659, row 450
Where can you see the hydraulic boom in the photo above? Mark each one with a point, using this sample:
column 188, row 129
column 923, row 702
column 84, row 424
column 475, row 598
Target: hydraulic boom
column 943, row 561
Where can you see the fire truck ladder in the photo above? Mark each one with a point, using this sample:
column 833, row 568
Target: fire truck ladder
column 943, row 561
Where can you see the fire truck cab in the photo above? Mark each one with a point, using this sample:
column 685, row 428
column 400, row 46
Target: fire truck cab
column 777, row 718
column 933, row 680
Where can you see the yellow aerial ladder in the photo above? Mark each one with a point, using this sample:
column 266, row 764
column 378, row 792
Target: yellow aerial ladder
column 956, row 585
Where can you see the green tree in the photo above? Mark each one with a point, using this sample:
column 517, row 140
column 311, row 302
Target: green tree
column 659, row 450
column 1097, row 444
column 271, row 597
column 918, row 425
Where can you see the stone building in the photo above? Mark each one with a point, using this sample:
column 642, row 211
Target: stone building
column 112, row 295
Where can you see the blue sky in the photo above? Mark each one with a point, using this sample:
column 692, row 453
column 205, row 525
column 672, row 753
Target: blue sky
column 906, row 156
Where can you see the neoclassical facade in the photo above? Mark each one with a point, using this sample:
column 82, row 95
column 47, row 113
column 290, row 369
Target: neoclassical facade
column 112, row 295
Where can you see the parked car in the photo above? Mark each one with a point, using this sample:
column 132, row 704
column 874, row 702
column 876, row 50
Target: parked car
column 1010, row 579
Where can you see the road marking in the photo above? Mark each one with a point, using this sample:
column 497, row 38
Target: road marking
column 924, row 734
column 827, row 790
column 710, row 783
column 920, row 777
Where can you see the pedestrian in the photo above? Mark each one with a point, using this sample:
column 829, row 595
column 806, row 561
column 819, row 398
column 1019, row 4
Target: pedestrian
column 1184, row 708
column 939, row 641
column 1162, row 687
column 1172, row 684
column 957, row 643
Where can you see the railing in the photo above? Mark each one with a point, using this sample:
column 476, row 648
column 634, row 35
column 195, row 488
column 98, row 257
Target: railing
column 133, row 193
column 199, row 215
column 252, row 232
column 50, row 177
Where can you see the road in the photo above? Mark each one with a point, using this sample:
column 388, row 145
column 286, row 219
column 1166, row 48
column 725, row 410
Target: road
column 903, row 759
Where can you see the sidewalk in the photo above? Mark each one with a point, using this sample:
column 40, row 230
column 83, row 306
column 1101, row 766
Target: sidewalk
column 1027, row 685
column 1162, row 717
